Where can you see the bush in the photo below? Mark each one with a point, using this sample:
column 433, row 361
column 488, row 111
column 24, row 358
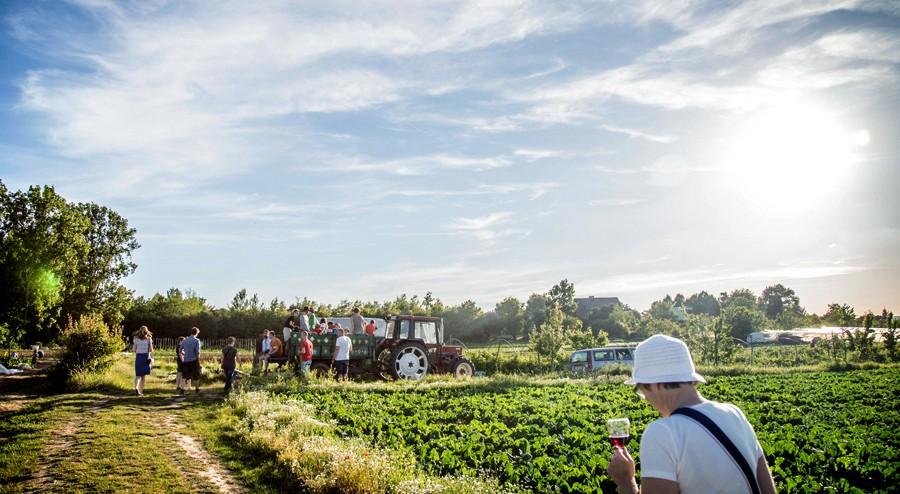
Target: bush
column 90, row 347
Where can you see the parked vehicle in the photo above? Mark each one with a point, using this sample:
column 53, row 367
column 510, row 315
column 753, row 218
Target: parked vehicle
column 412, row 346
column 595, row 358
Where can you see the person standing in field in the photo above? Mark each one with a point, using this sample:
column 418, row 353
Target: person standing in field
column 191, row 347
column 370, row 328
column 357, row 323
column 306, row 353
column 229, row 362
column 179, row 366
column 340, row 359
column 698, row 446
column 290, row 324
column 143, row 348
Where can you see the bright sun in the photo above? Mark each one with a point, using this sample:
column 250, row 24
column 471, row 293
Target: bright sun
column 792, row 155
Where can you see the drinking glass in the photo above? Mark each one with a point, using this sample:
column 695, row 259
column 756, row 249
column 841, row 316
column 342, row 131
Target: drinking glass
column 619, row 432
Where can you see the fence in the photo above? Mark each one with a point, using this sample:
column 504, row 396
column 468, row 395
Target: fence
column 166, row 343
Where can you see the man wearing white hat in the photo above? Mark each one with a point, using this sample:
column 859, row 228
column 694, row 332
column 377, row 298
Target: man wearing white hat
column 698, row 446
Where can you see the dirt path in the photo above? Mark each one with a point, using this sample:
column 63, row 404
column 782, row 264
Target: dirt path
column 56, row 450
column 195, row 463
column 202, row 462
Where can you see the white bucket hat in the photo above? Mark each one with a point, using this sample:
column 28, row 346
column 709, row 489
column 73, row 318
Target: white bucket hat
column 663, row 359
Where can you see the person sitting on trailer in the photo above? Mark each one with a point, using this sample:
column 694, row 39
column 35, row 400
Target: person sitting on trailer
column 370, row 328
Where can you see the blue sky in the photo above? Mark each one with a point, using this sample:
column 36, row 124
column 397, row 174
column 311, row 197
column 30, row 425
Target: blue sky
column 359, row 150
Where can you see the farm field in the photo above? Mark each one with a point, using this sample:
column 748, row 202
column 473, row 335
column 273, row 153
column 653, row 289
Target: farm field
column 822, row 431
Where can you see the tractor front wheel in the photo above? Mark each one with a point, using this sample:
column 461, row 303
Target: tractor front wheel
column 462, row 367
column 409, row 361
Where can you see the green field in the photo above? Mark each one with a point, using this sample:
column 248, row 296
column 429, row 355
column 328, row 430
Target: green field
column 822, row 431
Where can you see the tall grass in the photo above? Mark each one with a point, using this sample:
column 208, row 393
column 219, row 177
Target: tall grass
column 324, row 463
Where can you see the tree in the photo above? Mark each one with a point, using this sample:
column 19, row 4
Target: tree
column 840, row 315
column 459, row 320
column 105, row 260
column 662, row 309
column 536, row 311
column 549, row 339
column 777, row 299
column 563, row 296
column 741, row 297
column 702, row 303
column 511, row 315
column 741, row 321
column 587, row 338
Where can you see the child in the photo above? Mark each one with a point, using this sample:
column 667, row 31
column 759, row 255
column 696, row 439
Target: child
column 179, row 366
column 229, row 362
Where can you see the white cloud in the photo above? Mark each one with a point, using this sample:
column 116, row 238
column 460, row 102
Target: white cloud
column 615, row 202
column 479, row 223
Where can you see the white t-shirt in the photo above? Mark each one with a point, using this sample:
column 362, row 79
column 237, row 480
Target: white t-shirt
column 342, row 348
column 141, row 346
column 678, row 449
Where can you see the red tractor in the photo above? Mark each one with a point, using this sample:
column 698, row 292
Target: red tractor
column 413, row 346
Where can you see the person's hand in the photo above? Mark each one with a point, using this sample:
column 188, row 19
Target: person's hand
column 621, row 469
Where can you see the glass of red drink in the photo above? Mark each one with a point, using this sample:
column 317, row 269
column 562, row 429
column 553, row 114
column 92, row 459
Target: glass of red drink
column 619, row 432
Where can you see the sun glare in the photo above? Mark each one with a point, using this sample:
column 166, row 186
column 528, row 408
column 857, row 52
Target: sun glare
column 792, row 156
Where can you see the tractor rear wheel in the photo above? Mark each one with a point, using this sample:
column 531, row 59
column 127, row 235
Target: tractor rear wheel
column 409, row 361
column 462, row 367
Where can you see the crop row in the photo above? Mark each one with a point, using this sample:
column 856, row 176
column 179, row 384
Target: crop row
column 821, row 432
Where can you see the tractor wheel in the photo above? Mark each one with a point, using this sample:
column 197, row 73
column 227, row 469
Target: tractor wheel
column 409, row 361
column 384, row 362
column 462, row 367
column 320, row 369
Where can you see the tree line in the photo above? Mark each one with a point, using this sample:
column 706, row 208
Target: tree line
column 60, row 261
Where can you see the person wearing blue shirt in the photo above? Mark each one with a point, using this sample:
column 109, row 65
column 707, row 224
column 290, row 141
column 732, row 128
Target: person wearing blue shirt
column 191, row 347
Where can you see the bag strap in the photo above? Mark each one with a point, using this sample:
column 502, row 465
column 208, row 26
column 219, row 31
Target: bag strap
column 726, row 443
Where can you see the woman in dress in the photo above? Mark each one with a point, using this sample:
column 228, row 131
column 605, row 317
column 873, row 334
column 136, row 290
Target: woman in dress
column 179, row 366
column 143, row 347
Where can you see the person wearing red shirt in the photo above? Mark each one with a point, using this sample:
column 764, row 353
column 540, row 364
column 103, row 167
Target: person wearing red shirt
column 370, row 328
column 306, row 353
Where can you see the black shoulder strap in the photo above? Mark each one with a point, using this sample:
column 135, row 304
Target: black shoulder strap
column 726, row 443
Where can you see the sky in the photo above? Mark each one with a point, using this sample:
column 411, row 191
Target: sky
column 478, row 150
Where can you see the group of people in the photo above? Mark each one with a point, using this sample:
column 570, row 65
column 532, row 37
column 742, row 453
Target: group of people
column 305, row 320
column 187, row 360
column 299, row 349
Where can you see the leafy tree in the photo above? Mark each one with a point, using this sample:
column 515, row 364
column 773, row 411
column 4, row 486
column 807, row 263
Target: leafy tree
column 662, row 309
column 840, row 315
column 741, row 297
column 563, row 296
column 777, row 299
column 511, row 314
column 536, row 310
column 741, row 320
column 105, row 260
column 702, row 303
column 651, row 326
column 459, row 320
column 679, row 300
column 890, row 336
column 548, row 340
column 587, row 338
